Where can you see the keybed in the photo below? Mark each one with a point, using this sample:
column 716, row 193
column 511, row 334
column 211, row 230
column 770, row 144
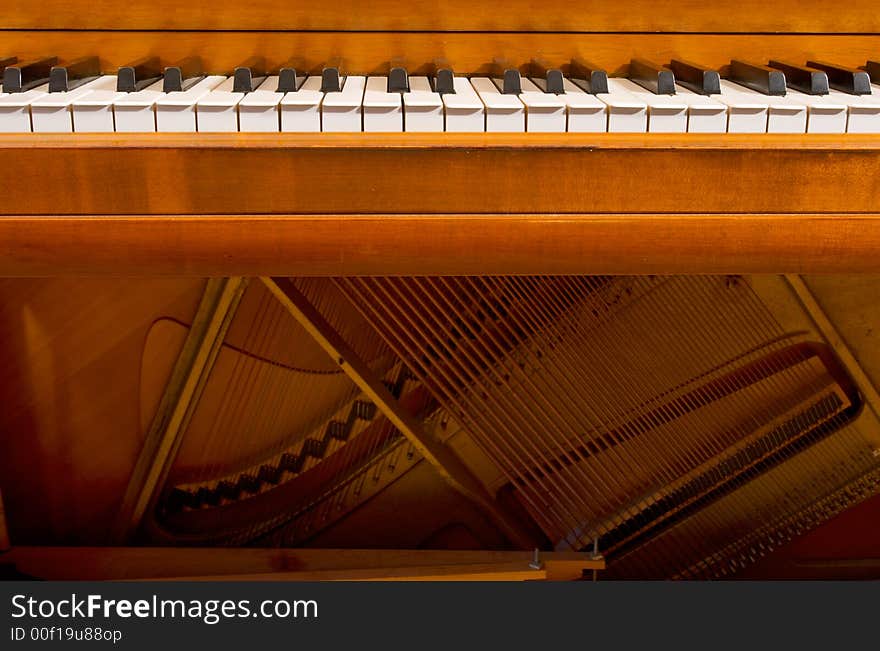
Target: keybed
column 781, row 97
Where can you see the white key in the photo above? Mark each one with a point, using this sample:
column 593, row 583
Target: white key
column 825, row 113
column 15, row 109
column 342, row 111
column 259, row 111
column 626, row 112
column 545, row 112
column 93, row 112
column 422, row 107
column 383, row 111
column 465, row 111
column 666, row 113
column 787, row 114
column 586, row 112
column 136, row 112
column 301, row 109
column 504, row 113
column 747, row 109
column 217, row 111
column 705, row 113
column 176, row 112
column 863, row 111
column 53, row 112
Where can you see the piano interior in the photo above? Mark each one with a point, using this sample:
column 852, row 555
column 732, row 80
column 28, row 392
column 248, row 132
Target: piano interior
column 478, row 356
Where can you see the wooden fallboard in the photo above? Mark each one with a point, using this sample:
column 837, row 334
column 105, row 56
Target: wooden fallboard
column 857, row 16
column 215, row 204
column 368, row 52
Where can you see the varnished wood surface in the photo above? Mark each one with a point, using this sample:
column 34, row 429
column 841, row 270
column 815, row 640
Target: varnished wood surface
column 92, row 563
column 397, row 141
column 430, row 244
column 369, row 52
column 449, row 15
column 466, row 174
column 70, row 361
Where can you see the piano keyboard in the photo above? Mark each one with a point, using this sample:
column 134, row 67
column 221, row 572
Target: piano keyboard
column 41, row 97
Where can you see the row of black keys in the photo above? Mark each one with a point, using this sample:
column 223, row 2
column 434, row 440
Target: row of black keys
column 814, row 78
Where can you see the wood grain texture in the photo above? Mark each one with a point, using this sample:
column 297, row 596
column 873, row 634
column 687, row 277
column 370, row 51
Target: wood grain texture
column 369, row 52
column 133, row 563
column 404, row 174
column 448, row 15
column 438, row 245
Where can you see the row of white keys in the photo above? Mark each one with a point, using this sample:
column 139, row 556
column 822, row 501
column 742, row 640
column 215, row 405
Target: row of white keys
column 477, row 105
column 342, row 111
column 422, row 107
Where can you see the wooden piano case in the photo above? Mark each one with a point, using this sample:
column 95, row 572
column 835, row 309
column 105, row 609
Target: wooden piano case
column 193, row 206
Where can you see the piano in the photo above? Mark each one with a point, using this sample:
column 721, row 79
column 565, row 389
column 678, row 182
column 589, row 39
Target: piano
column 471, row 290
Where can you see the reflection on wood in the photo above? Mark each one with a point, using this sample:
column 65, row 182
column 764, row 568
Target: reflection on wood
column 69, row 385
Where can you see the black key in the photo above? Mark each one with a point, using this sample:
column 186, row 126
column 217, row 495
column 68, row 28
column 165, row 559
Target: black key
column 443, row 76
column 508, row 76
column 184, row 75
column 873, row 69
column 138, row 75
column 6, row 61
column 806, row 80
column 73, row 75
column 249, row 75
column 697, row 78
column 398, row 78
column 20, row 77
column 331, row 77
column 549, row 79
column 588, row 76
column 847, row 80
column 289, row 80
column 763, row 79
column 657, row 79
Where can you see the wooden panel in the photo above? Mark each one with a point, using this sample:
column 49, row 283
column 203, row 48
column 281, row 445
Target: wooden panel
column 450, row 15
column 69, row 385
column 444, row 173
column 468, row 52
column 423, row 244
column 96, row 563
column 4, row 532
